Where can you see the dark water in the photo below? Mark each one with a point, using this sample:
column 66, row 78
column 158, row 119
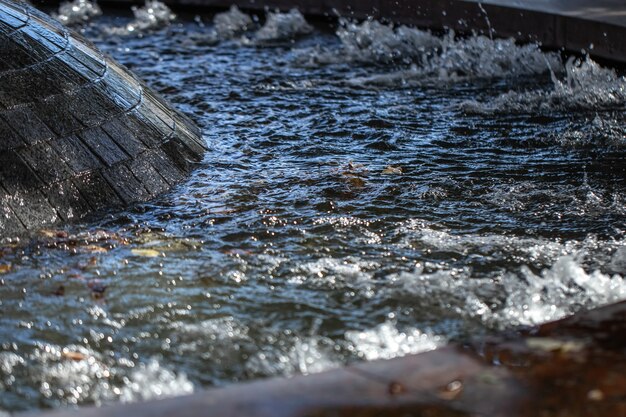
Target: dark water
column 344, row 212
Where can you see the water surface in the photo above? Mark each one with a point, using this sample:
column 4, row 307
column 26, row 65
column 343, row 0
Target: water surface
column 356, row 203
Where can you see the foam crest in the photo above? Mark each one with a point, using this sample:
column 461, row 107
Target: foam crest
column 232, row 23
column 429, row 58
column 334, row 272
column 77, row 11
column 283, row 26
column 153, row 15
column 586, row 86
column 151, row 380
column 305, row 356
column 558, row 291
column 75, row 374
column 534, row 250
column 603, row 131
column 8, row 361
column 482, row 57
column 516, row 299
column 374, row 42
column 386, row 342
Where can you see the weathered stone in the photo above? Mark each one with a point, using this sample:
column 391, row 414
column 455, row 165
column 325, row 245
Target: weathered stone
column 78, row 132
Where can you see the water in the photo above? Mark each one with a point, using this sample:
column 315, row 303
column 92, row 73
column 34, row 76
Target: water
column 366, row 195
column 77, row 11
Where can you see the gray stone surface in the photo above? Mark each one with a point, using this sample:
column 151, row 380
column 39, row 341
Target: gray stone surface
column 78, row 132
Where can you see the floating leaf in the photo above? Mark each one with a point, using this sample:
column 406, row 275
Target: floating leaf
column 60, row 291
column 554, row 345
column 5, row 268
column 50, row 233
column 451, row 391
column 390, row 170
column 356, row 182
column 74, row 356
column 147, row 253
column 93, row 249
column 97, row 289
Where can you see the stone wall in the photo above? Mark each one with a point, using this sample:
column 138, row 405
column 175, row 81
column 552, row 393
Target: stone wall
column 78, row 132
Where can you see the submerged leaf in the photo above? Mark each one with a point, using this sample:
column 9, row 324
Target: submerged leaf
column 390, row 170
column 147, row 253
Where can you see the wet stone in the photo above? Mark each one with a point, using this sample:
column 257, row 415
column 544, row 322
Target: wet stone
column 148, row 176
column 45, row 162
column 9, row 222
column 123, row 138
column 76, row 154
column 165, row 166
column 25, row 121
column 68, row 201
column 16, row 175
column 74, row 134
column 33, row 209
column 97, row 191
column 125, row 184
column 57, row 114
column 88, row 111
column 10, row 138
column 103, row 146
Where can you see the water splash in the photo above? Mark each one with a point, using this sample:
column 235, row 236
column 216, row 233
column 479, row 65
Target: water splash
column 553, row 294
column 302, row 356
column 516, row 299
column 373, row 42
column 232, row 23
column 386, row 342
column 77, row 11
column 603, row 131
column 150, row 381
column 282, row 26
column 586, row 86
column 153, row 15
column 75, row 374
column 429, row 58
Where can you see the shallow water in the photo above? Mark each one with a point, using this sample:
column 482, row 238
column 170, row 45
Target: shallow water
column 356, row 203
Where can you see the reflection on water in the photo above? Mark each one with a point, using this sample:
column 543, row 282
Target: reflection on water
column 351, row 207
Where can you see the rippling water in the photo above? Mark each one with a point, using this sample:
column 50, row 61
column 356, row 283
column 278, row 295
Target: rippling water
column 365, row 196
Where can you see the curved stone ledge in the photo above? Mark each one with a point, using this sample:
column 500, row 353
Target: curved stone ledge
column 78, row 132
column 573, row 367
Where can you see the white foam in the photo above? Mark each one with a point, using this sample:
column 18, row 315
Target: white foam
column 386, row 342
column 232, row 23
column 586, row 86
column 209, row 337
column 604, row 131
column 73, row 381
column 305, row 356
column 334, row 272
column 77, row 11
column 8, row 361
column 372, row 42
column 528, row 299
column 282, row 26
column 535, row 250
column 618, row 261
column 429, row 58
column 153, row 15
column 75, row 375
column 558, row 292
column 151, row 380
